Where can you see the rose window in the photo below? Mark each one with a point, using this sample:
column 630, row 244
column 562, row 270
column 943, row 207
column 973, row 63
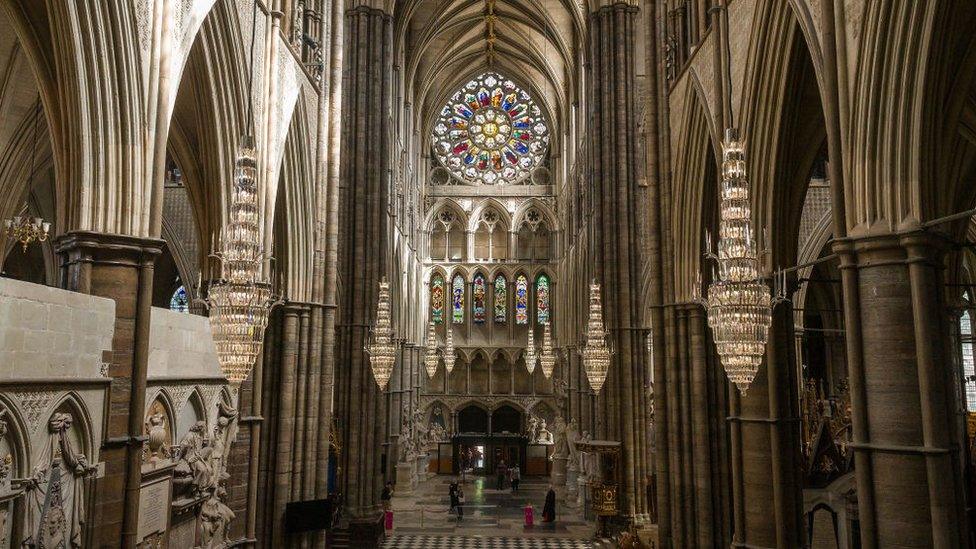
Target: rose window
column 491, row 132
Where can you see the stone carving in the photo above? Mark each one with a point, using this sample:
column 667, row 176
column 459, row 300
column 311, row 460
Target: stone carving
column 33, row 404
column 193, row 473
column 456, row 402
column 7, row 463
column 560, row 445
column 54, row 492
column 159, row 439
column 210, row 395
column 532, row 433
column 156, row 444
column 297, row 24
column 215, row 514
column 144, row 13
column 544, row 435
column 179, row 395
column 572, row 437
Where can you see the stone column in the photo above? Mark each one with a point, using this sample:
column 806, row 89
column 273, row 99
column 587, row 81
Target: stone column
column 283, row 422
column 908, row 461
column 120, row 268
column 363, row 258
column 617, row 254
column 766, row 442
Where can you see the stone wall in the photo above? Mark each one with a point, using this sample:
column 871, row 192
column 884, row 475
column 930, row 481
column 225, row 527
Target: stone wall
column 52, row 333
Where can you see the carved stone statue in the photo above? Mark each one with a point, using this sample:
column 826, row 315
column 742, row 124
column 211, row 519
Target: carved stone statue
column 561, row 449
column 55, row 493
column 215, row 515
column 533, row 431
column 544, row 436
column 193, row 474
column 572, row 438
column 437, row 433
column 156, row 430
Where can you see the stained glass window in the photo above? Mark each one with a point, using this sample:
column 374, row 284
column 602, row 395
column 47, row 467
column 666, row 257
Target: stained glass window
column 542, row 299
column 501, row 299
column 490, row 132
column 968, row 369
column 521, row 300
column 179, row 302
column 457, row 299
column 478, row 292
column 437, row 299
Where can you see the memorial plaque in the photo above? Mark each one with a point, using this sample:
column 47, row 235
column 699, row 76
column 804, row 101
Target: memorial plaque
column 154, row 501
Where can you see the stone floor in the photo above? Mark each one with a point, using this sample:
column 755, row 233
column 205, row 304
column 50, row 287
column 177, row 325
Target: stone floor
column 492, row 518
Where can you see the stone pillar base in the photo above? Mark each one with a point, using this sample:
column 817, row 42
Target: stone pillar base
column 558, row 474
column 404, row 478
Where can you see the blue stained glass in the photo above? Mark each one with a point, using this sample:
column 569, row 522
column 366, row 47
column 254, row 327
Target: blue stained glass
column 179, row 302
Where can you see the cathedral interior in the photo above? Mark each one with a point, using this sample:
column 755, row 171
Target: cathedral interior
column 556, row 274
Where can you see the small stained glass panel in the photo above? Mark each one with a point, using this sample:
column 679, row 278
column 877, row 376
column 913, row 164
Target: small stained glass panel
column 478, row 293
column 501, row 300
column 457, row 299
column 542, row 299
column 521, row 300
column 179, row 302
column 437, row 299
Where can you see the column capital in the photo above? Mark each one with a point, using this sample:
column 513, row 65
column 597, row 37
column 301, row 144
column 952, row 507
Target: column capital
column 100, row 247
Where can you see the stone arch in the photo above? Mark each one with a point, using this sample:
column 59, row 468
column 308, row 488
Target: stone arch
column 548, row 214
column 17, row 437
column 485, row 205
column 72, row 403
column 442, row 204
column 193, row 410
column 690, row 189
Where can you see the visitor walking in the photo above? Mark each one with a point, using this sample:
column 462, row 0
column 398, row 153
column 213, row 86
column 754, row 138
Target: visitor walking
column 460, row 503
column 549, row 510
column 500, row 471
column 453, row 493
column 387, row 495
column 516, row 476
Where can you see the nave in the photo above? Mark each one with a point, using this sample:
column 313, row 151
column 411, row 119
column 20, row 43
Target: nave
column 707, row 267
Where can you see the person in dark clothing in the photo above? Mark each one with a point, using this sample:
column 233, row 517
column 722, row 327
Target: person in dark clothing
column 453, row 492
column 549, row 510
column 500, row 473
column 387, row 496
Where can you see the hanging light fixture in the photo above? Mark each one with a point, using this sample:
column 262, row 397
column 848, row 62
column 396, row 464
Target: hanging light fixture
column 548, row 358
column 240, row 300
column 449, row 350
column 531, row 357
column 382, row 349
column 430, row 352
column 25, row 229
column 738, row 300
column 597, row 351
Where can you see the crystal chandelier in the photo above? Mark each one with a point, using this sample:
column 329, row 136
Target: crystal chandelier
column 548, row 358
column 596, row 352
column 738, row 300
column 26, row 230
column 241, row 299
column 382, row 349
column 449, row 350
column 430, row 352
column 530, row 351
